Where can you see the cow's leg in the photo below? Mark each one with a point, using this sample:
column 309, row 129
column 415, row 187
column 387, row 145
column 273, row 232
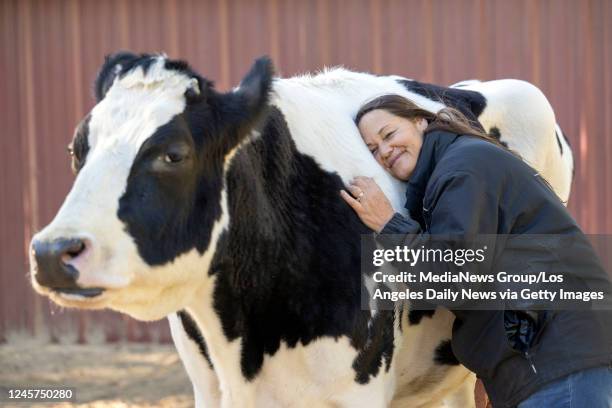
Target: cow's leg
column 203, row 378
column 463, row 396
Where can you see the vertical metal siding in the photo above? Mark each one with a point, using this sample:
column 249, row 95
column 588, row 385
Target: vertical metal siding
column 50, row 51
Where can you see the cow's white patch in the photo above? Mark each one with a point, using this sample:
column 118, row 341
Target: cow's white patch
column 527, row 124
column 320, row 111
column 204, row 380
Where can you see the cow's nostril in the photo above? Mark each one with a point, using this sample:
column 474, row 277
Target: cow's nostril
column 72, row 250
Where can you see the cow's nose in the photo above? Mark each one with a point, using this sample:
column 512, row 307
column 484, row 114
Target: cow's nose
column 53, row 268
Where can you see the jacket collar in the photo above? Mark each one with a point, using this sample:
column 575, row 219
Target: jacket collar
column 435, row 144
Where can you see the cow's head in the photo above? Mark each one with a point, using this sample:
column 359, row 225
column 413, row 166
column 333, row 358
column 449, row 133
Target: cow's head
column 137, row 231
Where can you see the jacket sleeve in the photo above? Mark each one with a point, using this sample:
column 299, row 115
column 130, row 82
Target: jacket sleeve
column 463, row 210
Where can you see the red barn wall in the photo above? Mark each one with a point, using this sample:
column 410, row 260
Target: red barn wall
column 50, row 51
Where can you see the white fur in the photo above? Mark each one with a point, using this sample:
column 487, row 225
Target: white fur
column 205, row 383
column 527, row 124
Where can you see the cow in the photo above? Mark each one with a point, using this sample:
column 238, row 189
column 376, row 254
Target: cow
column 222, row 212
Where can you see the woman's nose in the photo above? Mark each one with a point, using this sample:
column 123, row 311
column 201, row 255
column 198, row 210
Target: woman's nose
column 385, row 150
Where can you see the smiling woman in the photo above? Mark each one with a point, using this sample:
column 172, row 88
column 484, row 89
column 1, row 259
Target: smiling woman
column 395, row 142
column 393, row 127
column 462, row 183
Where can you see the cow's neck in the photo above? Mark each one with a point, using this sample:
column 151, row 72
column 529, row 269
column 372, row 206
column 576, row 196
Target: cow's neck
column 287, row 268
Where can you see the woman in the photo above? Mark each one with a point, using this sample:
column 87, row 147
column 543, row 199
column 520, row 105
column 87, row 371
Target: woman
column 463, row 182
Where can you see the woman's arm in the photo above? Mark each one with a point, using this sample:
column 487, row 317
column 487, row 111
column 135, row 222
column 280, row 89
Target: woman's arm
column 463, row 210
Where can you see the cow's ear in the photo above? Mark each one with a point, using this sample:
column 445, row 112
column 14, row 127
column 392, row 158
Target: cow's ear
column 243, row 108
column 254, row 89
column 113, row 65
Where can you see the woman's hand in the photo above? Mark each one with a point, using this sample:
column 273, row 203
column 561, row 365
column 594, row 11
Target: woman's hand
column 369, row 202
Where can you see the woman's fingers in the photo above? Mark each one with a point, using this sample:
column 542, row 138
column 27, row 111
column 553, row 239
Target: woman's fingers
column 355, row 190
column 356, row 205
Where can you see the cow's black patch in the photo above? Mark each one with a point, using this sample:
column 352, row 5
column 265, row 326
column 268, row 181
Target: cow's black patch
column 494, row 132
column 378, row 348
column 400, row 318
column 80, row 145
column 301, row 281
column 169, row 209
column 570, row 150
column 119, row 64
column 444, row 354
column 470, row 103
column 559, row 143
column 415, row 316
column 191, row 328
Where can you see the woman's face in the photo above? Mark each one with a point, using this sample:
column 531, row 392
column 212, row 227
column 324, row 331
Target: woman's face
column 394, row 141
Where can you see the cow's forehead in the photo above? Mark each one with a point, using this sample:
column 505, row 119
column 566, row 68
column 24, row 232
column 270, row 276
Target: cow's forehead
column 137, row 104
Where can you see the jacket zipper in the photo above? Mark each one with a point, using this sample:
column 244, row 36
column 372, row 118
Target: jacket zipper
column 426, row 218
column 528, row 356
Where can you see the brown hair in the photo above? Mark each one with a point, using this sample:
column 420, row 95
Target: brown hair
column 448, row 119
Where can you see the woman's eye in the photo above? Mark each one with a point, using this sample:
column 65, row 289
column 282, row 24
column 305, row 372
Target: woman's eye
column 373, row 151
column 388, row 135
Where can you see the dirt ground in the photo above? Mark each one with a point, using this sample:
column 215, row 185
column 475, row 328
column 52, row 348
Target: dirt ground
column 103, row 376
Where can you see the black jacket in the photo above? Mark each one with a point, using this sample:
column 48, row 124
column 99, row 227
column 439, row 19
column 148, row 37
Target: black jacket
column 465, row 185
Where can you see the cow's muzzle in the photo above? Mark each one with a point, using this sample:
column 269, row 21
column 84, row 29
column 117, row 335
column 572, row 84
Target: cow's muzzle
column 53, row 265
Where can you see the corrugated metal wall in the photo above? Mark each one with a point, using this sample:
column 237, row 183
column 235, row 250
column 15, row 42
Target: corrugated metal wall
column 50, row 51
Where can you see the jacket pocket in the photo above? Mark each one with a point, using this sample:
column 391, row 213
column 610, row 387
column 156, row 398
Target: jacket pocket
column 492, row 348
column 524, row 328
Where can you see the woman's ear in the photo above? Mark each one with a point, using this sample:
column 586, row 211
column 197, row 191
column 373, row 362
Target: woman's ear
column 422, row 124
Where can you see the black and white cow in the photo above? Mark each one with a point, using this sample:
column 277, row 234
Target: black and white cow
column 222, row 211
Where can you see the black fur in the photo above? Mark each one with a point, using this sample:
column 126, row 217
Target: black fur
column 117, row 65
column 121, row 63
column 191, row 328
column 301, row 281
column 79, row 147
column 470, row 103
column 559, row 143
column 415, row 316
column 444, row 354
column 170, row 212
column 377, row 349
column 570, row 146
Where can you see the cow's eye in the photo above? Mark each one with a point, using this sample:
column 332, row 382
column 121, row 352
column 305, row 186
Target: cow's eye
column 173, row 157
column 70, row 151
column 176, row 153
